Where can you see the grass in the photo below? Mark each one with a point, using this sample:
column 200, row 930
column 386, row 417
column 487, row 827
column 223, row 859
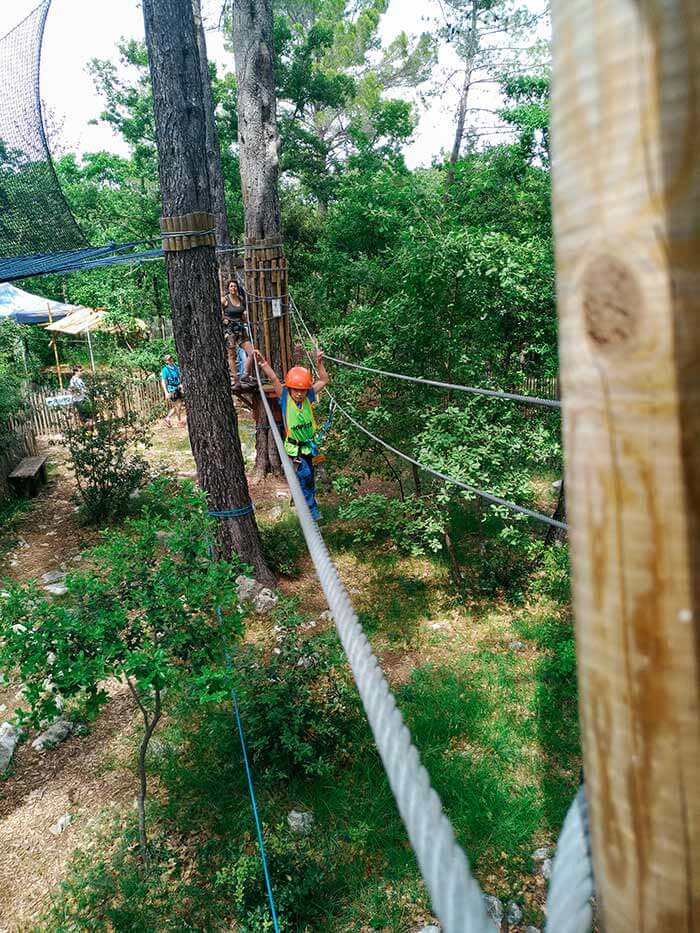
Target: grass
column 12, row 511
column 496, row 728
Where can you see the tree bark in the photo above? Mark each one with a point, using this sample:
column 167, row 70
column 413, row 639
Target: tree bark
column 557, row 535
column 216, row 172
column 192, row 275
column 257, row 118
column 149, row 727
column 266, row 273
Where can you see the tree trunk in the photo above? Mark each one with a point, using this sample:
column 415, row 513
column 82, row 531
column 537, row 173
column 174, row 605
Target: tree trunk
column 257, row 118
column 463, row 105
column 149, row 727
column 266, row 272
column 557, row 535
column 192, row 276
column 216, row 172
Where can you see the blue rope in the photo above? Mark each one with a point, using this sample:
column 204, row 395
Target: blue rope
column 251, row 792
column 235, row 513
column 246, row 760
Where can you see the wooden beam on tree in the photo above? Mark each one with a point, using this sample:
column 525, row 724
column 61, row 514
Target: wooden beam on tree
column 266, row 267
column 626, row 169
column 192, row 273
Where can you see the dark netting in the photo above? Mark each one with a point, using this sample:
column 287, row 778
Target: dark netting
column 34, row 215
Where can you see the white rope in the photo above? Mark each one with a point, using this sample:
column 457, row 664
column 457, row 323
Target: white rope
column 456, row 896
column 569, row 908
column 474, row 490
column 491, row 393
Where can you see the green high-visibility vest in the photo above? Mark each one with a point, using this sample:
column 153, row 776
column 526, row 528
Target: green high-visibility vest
column 300, row 425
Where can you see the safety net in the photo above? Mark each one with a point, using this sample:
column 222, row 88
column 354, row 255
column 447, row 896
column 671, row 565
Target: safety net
column 34, row 215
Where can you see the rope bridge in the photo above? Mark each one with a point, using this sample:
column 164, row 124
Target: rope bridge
column 456, row 896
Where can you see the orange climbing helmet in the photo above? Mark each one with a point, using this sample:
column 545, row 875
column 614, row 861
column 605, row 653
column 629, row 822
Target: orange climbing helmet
column 298, row 377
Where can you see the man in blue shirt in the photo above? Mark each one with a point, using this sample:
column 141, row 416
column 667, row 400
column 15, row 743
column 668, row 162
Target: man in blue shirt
column 171, row 381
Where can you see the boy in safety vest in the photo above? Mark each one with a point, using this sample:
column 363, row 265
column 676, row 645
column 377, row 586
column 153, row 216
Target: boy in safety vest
column 297, row 397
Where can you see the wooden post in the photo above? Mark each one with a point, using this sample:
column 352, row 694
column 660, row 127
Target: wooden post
column 626, row 168
column 55, row 348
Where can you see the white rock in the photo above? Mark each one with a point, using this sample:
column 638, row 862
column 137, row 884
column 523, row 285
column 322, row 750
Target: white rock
column 77, row 559
column 494, row 908
column 56, row 589
column 326, row 616
column 556, row 485
column 9, row 737
column 3, row 708
column 282, row 494
column 53, row 576
column 300, row 822
column 516, row 646
column 56, row 733
column 539, row 855
column 275, row 514
column 547, row 869
column 439, row 626
column 532, row 930
column 249, row 590
column 19, row 629
column 62, row 823
column 514, row 912
column 265, row 600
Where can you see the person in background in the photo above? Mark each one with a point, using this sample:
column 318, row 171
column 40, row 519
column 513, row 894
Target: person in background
column 235, row 330
column 296, row 398
column 81, row 402
column 171, row 381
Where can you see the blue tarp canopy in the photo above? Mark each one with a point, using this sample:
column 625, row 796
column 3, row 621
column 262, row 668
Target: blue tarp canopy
column 26, row 308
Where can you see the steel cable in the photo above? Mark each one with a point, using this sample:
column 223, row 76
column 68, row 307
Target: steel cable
column 474, row 490
column 456, row 896
column 491, row 393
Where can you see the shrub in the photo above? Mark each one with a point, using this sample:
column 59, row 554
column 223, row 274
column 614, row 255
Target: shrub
column 298, row 870
column 555, row 578
column 103, row 455
column 283, row 544
column 300, row 713
column 413, row 526
column 152, row 613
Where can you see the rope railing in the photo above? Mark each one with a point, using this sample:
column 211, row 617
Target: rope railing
column 456, row 896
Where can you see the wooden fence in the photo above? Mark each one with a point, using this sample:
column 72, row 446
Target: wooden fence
column 541, row 386
column 142, row 397
column 17, row 443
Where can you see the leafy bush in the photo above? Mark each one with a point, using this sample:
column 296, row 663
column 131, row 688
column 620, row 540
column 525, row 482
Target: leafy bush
column 283, row 544
column 413, row 526
column 11, row 398
column 555, row 578
column 299, row 711
column 152, row 612
column 104, row 459
column 299, row 874
column 146, row 358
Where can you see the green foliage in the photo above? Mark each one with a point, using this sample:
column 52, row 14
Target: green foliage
column 300, row 875
column 412, row 525
column 116, row 892
column 11, row 397
column 145, row 359
column 103, row 453
column 148, row 611
column 283, row 545
column 312, row 734
column 555, row 578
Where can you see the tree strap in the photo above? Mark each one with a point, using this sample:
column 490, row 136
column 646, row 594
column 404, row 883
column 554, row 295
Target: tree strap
column 187, row 231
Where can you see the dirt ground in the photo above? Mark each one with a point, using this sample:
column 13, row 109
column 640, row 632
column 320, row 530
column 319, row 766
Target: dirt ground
column 88, row 777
